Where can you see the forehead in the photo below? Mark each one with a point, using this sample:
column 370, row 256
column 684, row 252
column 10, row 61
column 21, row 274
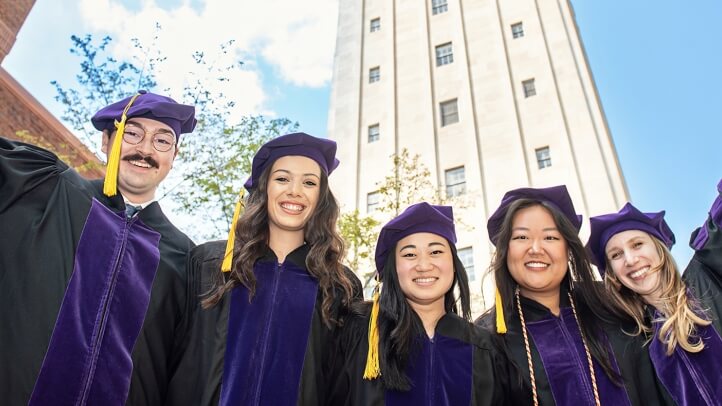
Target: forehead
column 297, row 164
column 421, row 240
column 623, row 237
column 149, row 124
column 535, row 216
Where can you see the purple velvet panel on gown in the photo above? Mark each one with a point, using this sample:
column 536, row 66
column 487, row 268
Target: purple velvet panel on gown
column 441, row 375
column 88, row 360
column 267, row 338
column 691, row 378
column 559, row 343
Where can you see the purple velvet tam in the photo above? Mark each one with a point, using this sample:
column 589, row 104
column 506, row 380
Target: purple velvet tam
column 629, row 217
column 179, row 117
column 417, row 218
column 556, row 196
column 321, row 150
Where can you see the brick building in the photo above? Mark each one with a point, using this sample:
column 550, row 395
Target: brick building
column 22, row 116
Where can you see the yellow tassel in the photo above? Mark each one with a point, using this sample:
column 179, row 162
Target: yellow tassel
column 500, row 323
column 110, row 185
column 373, row 370
column 228, row 256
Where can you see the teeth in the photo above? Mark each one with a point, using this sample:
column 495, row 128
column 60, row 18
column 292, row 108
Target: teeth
column 291, row 206
column 639, row 273
column 142, row 164
column 424, row 280
column 536, row 265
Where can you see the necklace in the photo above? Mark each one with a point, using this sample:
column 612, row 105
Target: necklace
column 527, row 348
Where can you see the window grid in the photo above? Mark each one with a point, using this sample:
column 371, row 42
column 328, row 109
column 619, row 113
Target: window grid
column 374, row 133
column 466, row 255
column 374, row 74
column 455, row 182
column 373, row 201
column 449, row 112
column 439, row 6
column 529, row 88
column 444, row 54
column 375, row 25
column 543, row 157
column 517, row 30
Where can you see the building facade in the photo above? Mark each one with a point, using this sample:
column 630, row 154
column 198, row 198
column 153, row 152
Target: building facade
column 22, row 117
column 492, row 95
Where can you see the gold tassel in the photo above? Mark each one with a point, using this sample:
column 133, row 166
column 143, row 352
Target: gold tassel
column 373, row 370
column 228, row 256
column 110, row 185
column 500, row 323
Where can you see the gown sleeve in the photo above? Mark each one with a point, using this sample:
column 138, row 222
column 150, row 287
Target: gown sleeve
column 703, row 275
column 24, row 167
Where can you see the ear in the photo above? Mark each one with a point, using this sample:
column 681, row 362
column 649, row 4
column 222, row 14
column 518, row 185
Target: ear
column 105, row 142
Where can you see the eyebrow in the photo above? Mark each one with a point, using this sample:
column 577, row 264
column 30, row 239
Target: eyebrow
column 431, row 244
column 527, row 229
column 160, row 130
column 289, row 172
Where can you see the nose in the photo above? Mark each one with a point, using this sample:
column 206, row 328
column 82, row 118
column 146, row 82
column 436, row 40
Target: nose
column 535, row 247
column 145, row 146
column 630, row 258
column 294, row 187
column 424, row 264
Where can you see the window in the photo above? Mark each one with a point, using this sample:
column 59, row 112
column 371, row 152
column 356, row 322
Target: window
column 529, row 88
column 374, row 74
column 375, row 25
column 444, row 54
column 449, row 112
column 439, row 6
column 517, row 30
column 466, row 255
column 373, row 200
column 455, row 182
column 543, row 157
column 374, row 134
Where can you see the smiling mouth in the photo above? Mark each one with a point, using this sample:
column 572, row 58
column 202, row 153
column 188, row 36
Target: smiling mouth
column 639, row 274
column 536, row 265
column 427, row 280
column 141, row 164
column 293, row 207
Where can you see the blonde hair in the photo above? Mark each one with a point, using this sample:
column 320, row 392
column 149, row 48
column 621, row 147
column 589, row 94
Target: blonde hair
column 679, row 321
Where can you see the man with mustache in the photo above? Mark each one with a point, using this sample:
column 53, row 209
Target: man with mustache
column 94, row 297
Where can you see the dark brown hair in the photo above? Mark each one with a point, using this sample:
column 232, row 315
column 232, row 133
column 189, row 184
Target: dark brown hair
column 320, row 233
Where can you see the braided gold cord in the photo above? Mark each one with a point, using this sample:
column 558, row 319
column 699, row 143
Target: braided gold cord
column 589, row 356
column 528, row 350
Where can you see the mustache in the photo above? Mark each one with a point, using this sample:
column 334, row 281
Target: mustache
column 138, row 157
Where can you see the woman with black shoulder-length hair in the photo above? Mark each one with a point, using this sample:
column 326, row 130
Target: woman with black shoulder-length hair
column 680, row 313
column 415, row 344
column 563, row 339
column 276, row 291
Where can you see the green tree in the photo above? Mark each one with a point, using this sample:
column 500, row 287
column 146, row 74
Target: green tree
column 360, row 233
column 213, row 162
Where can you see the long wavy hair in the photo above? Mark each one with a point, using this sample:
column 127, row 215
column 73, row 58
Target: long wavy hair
column 400, row 326
column 587, row 292
column 320, row 233
column 679, row 320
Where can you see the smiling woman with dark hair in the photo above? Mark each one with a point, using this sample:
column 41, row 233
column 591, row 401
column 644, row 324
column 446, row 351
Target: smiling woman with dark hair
column 415, row 345
column 266, row 334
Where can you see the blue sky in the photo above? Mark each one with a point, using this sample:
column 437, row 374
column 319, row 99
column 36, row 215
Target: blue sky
column 657, row 66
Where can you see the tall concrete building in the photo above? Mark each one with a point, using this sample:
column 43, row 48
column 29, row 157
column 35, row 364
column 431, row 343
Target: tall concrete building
column 493, row 95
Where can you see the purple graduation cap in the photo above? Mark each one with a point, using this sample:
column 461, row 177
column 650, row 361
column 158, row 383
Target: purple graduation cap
column 179, row 117
column 629, row 217
column 321, row 150
column 557, row 196
column 417, row 218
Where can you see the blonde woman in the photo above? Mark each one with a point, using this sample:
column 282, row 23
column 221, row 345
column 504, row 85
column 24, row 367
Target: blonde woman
column 681, row 314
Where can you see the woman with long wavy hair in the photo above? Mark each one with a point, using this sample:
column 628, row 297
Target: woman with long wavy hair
column 680, row 314
column 276, row 292
column 415, row 344
column 563, row 340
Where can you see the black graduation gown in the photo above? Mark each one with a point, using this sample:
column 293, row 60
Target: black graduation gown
column 630, row 356
column 460, row 366
column 121, row 325
column 279, row 347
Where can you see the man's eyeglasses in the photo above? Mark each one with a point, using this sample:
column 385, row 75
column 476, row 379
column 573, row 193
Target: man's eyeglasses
column 162, row 141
